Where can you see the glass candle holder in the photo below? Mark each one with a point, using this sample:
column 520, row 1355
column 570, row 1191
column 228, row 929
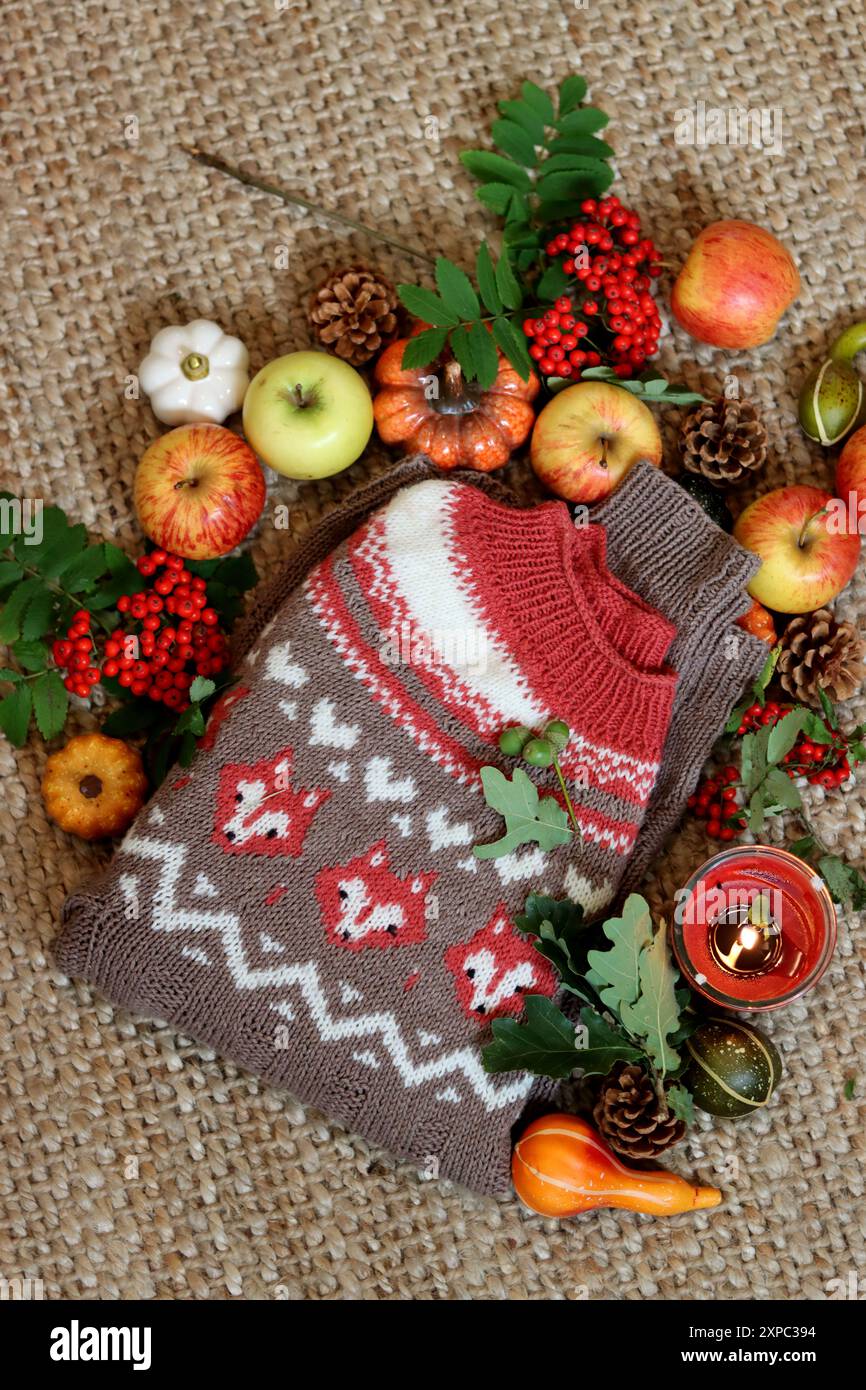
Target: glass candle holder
column 754, row 928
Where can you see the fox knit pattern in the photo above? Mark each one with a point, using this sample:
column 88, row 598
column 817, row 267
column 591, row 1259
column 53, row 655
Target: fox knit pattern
column 305, row 898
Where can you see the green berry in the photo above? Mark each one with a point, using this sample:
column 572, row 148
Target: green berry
column 558, row 733
column 539, row 752
column 512, row 741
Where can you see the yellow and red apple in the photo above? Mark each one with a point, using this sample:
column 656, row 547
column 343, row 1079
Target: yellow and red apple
column 851, row 478
column 588, row 437
column 198, row 490
column 807, row 558
column 737, row 282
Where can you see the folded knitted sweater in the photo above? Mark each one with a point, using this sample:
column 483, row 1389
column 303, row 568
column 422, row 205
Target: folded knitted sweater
column 305, row 900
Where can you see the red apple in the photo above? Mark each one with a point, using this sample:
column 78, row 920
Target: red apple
column 737, row 282
column 198, row 490
column 807, row 558
column 851, row 479
column 588, row 437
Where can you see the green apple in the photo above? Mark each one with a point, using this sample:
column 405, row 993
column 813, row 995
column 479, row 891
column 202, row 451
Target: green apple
column 308, row 414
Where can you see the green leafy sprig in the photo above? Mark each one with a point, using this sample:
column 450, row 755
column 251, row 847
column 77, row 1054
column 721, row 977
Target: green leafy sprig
column 633, row 1011
column 650, row 386
column 550, row 157
column 471, row 324
column 767, row 790
column 42, row 585
column 529, row 817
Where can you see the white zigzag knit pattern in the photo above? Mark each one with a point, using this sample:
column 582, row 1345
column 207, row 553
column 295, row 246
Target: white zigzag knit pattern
column 170, row 916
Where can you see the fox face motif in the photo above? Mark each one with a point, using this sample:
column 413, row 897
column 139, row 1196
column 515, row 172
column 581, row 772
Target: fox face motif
column 495, row 968
column 364, row 903
column 260, row 812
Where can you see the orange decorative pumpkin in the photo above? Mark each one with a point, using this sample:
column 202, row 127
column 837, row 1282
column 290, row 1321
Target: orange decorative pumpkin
column 759, row 623
column 460, row 427
column 562, row 1167
column 94, row 787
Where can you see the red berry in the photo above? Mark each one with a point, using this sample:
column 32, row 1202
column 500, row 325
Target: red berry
column 111, row 668
column 590, row 307
column 145, row 565
column 70, row 682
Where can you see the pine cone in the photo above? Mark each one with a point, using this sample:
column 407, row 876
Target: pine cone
column 354, row 313
column 820, row 654
column 629, row 1115
column 724, row 441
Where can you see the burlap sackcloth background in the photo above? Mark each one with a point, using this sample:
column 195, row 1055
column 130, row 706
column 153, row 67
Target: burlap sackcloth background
column 133, row 1163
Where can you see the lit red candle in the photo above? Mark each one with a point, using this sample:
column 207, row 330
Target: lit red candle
column 754, row 928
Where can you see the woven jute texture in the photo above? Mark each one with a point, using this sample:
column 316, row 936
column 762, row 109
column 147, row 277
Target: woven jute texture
column 135, row 1164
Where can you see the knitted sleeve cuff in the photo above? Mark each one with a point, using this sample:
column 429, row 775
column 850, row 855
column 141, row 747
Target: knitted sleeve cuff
column 661, row 542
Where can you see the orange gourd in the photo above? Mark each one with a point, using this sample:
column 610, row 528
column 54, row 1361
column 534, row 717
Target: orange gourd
column 562, row 1167
column 460, row 427
column 759, row 623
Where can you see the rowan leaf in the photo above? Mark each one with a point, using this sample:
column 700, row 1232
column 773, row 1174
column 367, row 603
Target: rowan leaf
column 522, row 114
column 499, row 197
column 427, row 306
column 528, row 817
column 779, row 792
column 615, row 973
column 10, row 573
column 456, row 290
column 784, row 734
column 486, row 276
column 84, row 570
column 15, row 714
column 63, row 549
column 846, row 884
column 33, row 656
column 495, row 168
column 462, row 348
column 423, row 348
column 512, row 342
column 515, row 141
column 655, row 1014
column 13, row 609
column 50, row 704
column 540, row 102
column 484, row 355
column 572, row 90
column 38, row 615
column 508, row 285
column 582, row 122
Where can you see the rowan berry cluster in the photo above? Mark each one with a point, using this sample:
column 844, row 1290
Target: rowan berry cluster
column 167, row 635
column 609, row 316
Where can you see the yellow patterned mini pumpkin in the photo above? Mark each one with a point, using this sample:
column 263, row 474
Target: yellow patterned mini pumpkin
column 94, row 787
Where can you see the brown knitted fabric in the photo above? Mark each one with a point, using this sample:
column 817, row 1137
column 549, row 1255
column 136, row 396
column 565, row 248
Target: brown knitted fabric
column 212, row 917
column 666, row 548
column 305, row 899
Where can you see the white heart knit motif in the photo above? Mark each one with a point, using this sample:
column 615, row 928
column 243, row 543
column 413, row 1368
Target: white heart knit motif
column 592, row 899
column 280, row 667
column 203, row 888
column 403, row 824
column 339, row 770
column 513, row 867
column 442, row 833
column 328, row 731
column 382, row 786
column 268, row 943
